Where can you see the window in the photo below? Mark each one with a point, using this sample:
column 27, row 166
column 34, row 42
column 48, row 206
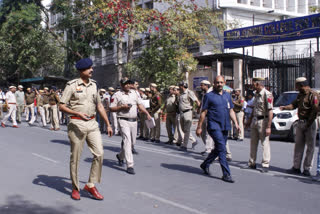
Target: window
column 149, row 5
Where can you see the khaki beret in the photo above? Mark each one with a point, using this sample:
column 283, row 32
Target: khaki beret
column 206, row 82
column 301, row 79
column 103, row 90
column 110, row 89
column 258, row 79
column 41, row 91
column 148, row 90
column 176, row 87
column 237, row 89
column 172, row 86
column 28, row 89
column 45, row 88
column 20, row 86
column 12, row 87
column 142, row 89
column 153, row 85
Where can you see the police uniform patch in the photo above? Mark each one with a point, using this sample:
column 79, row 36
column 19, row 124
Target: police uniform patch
column 315, row 100
column 79, row 89
column 270, row 100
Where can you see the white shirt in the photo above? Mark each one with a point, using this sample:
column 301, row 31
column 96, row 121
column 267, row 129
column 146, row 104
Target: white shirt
column 249, row 103
column 11, row 97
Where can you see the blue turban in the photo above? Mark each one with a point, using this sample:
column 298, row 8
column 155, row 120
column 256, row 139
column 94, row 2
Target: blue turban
column 83, row 64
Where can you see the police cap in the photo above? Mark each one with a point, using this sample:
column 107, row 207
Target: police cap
column 83, row 64
column 206, row 82
column 125, row 81
column 142, row 89
column 258, row 79
column 20, row 86
column 153, row 85
column 12, row 87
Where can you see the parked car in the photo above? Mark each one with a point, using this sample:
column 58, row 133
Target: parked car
column 284, row 122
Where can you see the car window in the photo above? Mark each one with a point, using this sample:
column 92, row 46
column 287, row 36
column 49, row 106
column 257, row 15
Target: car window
column 285, row 99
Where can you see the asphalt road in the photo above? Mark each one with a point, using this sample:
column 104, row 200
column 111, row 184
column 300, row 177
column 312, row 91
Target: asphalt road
column 35, row 179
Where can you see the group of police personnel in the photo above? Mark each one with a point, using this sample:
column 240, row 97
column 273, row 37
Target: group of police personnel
column 89, row 110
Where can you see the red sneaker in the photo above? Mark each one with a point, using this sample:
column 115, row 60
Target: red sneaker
column 93, row 192
column 75, row 194
column 2, row 124
column 15, row 126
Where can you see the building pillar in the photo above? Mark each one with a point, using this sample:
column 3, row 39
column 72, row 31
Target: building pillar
column 317, row 69
column 237, row 73
column 219, row 67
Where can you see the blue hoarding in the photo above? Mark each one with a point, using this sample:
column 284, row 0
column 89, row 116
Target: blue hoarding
column 274, row 32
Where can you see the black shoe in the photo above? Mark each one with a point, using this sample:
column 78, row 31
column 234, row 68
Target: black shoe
column 130, row 170
column 306, row 173
column 294, row 171
column 194, row 145
column 229, row 159
column 205, row 168
column 265, row 169
column 169, row 142
column 157, row 141
column 140, row 137
column 239, row 140
column 182, row 148
column 134, row 151
column 19, row 122
column 152, row 140
column 120, row 162
column 227, row 178
column 178, row 144
column 249, row 167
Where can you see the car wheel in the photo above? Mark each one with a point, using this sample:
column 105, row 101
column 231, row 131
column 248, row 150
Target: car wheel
column 293, row 130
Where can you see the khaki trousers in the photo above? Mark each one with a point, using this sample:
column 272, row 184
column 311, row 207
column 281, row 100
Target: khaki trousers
column 42, row 115
column 129, row 135
column 258, row 132
column 11, row 112
column 46, row 108
column 114, row 122
column 143, row 118
column 186, row 123
column 170, row 125
column 54, row 118
column 155, row 131
column 80, row 131
column 179, row 134
column 239, row 117
column 206, row 138
column 19, row 112
column 304, row 136
column 30, row 108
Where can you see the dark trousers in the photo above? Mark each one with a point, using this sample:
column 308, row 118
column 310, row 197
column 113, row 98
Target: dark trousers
column 220, row 139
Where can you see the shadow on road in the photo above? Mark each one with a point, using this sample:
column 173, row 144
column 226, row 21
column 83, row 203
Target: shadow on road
column 55, row 182
column 186, row 168
column 112, row 148
column 64, row 142
column 109, row 163
column 17, row 205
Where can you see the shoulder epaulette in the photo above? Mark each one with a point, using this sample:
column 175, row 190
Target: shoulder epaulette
column 71, row 82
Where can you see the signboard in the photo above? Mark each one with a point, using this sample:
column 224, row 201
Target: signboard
column 197, row 81
column 274, row 32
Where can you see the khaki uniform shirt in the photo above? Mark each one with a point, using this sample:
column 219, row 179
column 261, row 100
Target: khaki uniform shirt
column 121, row 98
column 186, row 100
column 20, row 97
column 40, row 100
column 54, row 99
column 307, row 104
column 155, row 102
column 238, row 104
column 46, row 98
column 171, row 104
column 30, row 97
column 263, row 101
column 81, row 97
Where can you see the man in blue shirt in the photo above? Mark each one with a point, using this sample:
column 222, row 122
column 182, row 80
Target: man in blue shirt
column 218, row 107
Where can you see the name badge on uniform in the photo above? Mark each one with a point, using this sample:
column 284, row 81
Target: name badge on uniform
column 79, row 90
column 228, row 105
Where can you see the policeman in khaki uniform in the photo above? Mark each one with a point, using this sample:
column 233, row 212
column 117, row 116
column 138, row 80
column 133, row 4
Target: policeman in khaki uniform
column 126, row 103
column 142, row 116
column 186, row 100
column 40, row 108
column 29, row 98
column 54, row 100
column 238, row 103
column 155, row 105
column 307, row 103
column 81, row 101
column 46, row 105
column 170, row 108
column 20, row 102
column 11, row 103
column 146, row 130
column 260, row 124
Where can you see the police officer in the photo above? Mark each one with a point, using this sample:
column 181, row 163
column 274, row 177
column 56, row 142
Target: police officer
column 40, row 108
column 81, row 101
column 170, row 108
column 155, row 105
column 142, row 116
column 20, row 102
column 114, row 121
column 125, row 104
column 218, row 108
column 260, row 125
column 11, row 103
column 46, row 105
column 54, row 100
column 238, row 103
column 186, row 100
column 307, row 103
column 29, row 97
column 146, row 130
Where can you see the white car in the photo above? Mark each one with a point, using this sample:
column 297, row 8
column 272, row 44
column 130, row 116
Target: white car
column 284, row 122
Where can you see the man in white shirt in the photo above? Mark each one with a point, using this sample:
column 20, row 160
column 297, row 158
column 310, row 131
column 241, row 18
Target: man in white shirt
column 12, row 107
column 2, row 101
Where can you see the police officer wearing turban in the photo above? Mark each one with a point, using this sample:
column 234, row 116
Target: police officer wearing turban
column 307, row 103
column 81, row 100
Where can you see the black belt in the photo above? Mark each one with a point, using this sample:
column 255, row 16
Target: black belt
column 186, row 110
column 128, row 119
column 261, row 117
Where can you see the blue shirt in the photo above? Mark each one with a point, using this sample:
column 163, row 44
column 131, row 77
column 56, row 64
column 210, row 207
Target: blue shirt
column 218, row 107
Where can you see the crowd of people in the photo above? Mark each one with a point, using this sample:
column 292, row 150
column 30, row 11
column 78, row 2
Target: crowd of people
column 131, row 109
